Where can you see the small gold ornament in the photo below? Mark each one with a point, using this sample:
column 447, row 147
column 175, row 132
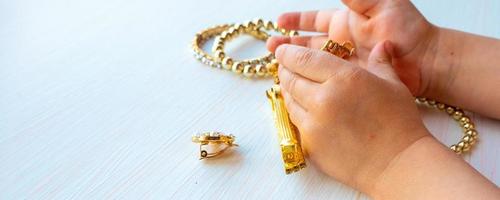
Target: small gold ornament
column 215, row 138
column 343, row 50
column 291, row 151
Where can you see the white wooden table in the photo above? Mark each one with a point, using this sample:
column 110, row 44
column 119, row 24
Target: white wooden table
column 99, row 99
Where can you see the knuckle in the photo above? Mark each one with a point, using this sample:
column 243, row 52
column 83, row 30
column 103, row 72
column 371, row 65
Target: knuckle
column 366, row 28
column 280, row 51
column 292, row 83
column 322, row 99
column 353, row 75
column 304, row 56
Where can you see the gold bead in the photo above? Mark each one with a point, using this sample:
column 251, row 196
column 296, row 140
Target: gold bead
column 272, row 67
column 219, row 43
column 461, row 144
column 249, row 70
column 464, row 120
column 219, row 55
column 454, row 148
column 227, row 63
column 261, row 70
column 421, row 100
column 218, row 48
column 254, row 61
column 268, row 58
column 472, row 133
column 450, row 110
column 469, row 126
column 458, row 114
column 230, row 35
column 258, row 22
column 293, row 33
column 284, row 31
column 224, row 36
column 466, row 148
column 237, row 67
column 467, row 138
column 473, row 140
column 249, row 26
column 232, row 30
column 431, row 102
column 269, row 25
column 440, row 106
column 240, row 28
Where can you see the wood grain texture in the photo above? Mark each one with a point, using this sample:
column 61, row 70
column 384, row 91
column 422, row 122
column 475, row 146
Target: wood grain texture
column 99, row 99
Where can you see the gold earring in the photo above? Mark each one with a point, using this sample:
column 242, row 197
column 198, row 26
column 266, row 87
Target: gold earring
column 216, row 138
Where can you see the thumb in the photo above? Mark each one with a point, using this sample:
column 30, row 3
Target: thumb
column 380, row 61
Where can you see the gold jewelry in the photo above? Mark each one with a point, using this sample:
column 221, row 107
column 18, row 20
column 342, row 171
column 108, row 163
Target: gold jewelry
column 250, row 67
column 204, row 35
column 291, row 150
column 216, row 138
column 343, row 50
column 470, row 134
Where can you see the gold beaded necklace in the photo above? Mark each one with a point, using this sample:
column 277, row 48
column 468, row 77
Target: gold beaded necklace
column 266, row 66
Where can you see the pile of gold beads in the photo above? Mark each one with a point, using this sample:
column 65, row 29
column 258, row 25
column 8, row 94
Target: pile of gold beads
column 257, row 67
column 470, row 133
column 266, row 66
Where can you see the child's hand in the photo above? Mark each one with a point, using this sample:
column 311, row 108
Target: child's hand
column 366, row 23
column 353, row 121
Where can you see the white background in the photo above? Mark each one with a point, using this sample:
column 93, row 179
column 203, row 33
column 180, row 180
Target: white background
column 99, row 99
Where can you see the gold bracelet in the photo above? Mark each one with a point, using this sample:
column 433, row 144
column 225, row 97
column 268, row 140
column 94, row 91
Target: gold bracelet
column 249, row 67
column 470, row 134
column 203, row 36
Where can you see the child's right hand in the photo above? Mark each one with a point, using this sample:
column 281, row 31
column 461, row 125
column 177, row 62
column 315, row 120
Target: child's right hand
column 366, row 23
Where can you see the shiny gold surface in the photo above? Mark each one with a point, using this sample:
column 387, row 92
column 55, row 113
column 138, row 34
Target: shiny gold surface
column 469, row 137
column 213, row 138
column 291, row 150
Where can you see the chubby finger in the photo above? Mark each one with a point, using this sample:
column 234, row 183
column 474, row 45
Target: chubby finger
column 314, row 42
column 317, row 21
column 313, row 64
column 380, row 61
column 296, row 112
column 300, row 88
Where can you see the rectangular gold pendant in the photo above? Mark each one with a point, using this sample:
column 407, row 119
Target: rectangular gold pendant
column 291, row 150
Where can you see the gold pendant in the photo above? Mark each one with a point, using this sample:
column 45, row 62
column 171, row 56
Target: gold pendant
column 291, row 150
